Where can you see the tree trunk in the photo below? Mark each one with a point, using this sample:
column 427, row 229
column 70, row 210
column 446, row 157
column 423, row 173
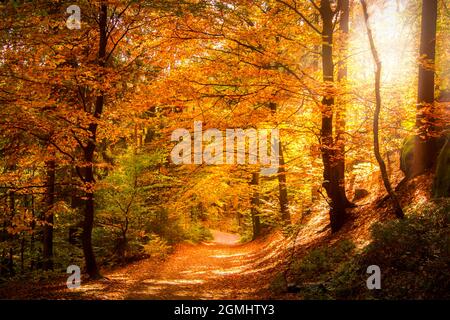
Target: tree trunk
column 11, row 262
column 316, row 47
column 123, row 241
column 425, row 152
column 282, row 186
column 12, row 208
column 33, row 227
column 89, row 257
column 89, row 151
column 376, row 144
column 22, row 254
column 281, row 176
column 47, row 239
column 344, row 8
column 328, row 148
column 3, row 262
column 256, row 224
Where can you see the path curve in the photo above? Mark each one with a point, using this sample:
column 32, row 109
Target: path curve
column 220, row 269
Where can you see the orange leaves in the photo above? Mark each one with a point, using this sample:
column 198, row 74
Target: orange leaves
column 431, row 120
column 426, row 63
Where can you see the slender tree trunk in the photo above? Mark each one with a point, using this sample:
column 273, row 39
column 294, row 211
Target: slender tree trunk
column 281, row 176
column 22, row 254
column 425, row 152
column 376, row 143
column 331, row 171
column 3, row 262
column 282, row 186
column 47, row 240
column 11, row 261
column 12, row 208
column 316, row 55
column 33, row 226
column 256, row 224
column 344, row 8
column 316, row 183
column 4, row 238
column 89, row 151
column 89, row 257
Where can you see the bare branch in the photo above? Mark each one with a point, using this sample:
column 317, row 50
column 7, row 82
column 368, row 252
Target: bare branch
column 290, row 6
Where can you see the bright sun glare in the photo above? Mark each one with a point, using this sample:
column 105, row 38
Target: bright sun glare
column 393, row 38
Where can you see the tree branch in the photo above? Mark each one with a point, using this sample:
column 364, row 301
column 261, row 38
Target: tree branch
column 301, row 15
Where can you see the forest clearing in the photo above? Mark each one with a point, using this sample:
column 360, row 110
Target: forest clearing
column 225, row 149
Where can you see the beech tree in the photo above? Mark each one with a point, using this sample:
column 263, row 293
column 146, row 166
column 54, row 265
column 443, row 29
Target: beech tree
column 93, row 66
column 87, row 116
column 425, row 149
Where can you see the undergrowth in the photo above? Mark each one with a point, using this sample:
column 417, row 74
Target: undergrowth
column 413, row 255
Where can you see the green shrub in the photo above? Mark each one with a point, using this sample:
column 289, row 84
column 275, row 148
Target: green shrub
column 413, row 255
column 293, row 229
column 166, row 226
column 198, row 233
column 441, row 184
column 157, row 247
column 246, row 236
column 406, row 156
column 320, row 263
column 278, row 284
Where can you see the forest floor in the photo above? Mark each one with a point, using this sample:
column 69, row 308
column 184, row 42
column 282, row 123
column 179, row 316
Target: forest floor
column 224, row 268
column 220, row 269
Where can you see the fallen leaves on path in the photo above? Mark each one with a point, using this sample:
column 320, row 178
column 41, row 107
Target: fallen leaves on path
column 220, row 269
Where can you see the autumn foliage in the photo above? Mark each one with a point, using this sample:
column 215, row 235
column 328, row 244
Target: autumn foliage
column 86, row 117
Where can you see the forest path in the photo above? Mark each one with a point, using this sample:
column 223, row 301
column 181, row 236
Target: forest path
column 220, row 269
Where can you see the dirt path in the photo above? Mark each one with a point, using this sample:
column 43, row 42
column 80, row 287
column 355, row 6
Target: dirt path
column 220, row 269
